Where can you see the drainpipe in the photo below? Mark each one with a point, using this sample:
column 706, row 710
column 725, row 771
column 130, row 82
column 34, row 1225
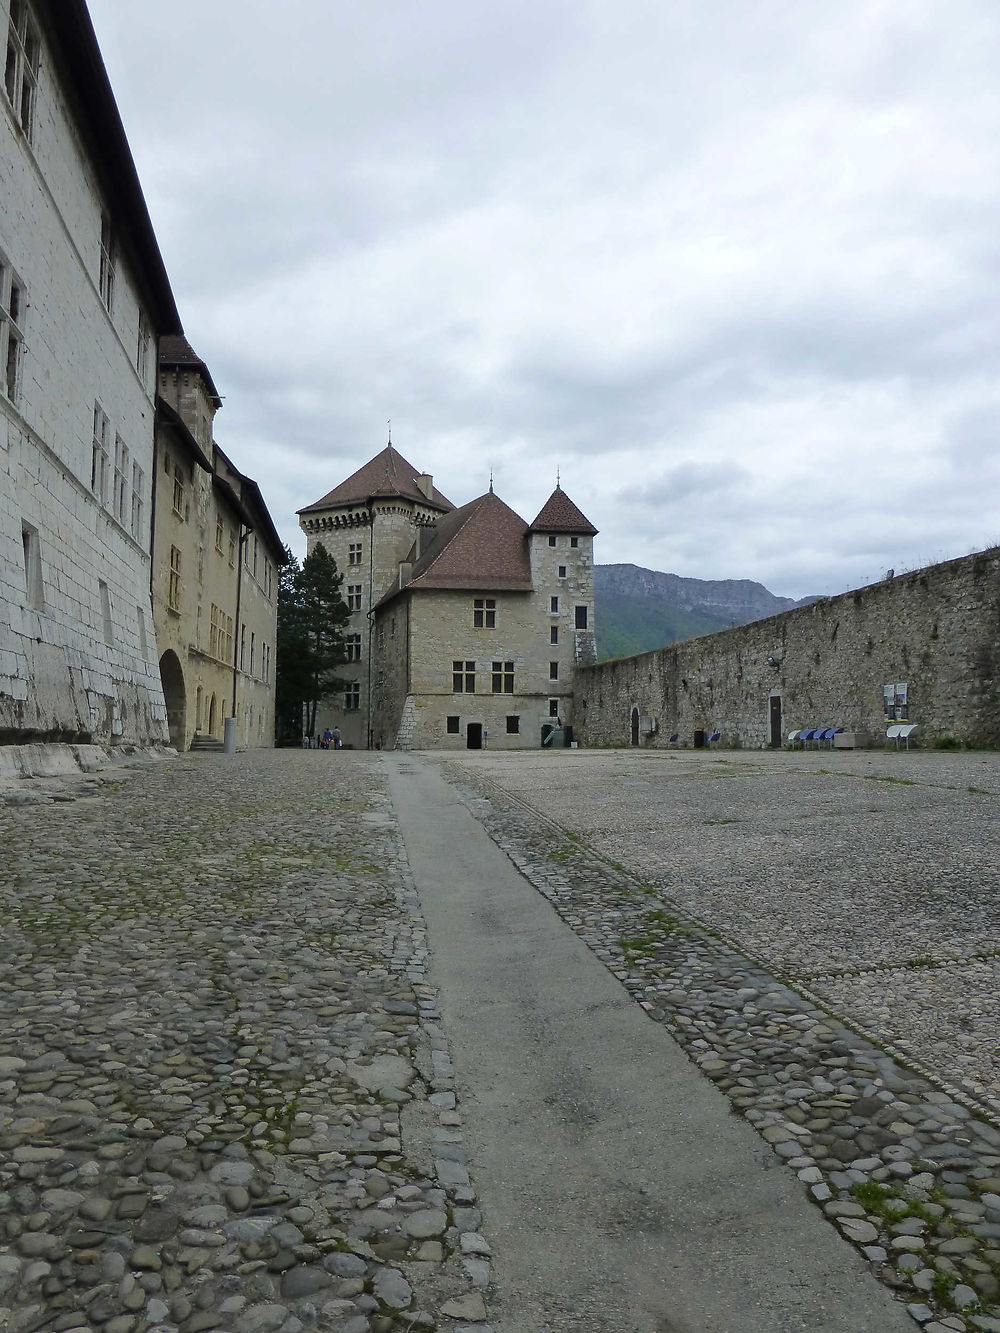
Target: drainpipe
column 237, row 635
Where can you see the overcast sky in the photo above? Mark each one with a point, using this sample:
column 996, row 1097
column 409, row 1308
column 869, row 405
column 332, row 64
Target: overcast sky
column 730, row 265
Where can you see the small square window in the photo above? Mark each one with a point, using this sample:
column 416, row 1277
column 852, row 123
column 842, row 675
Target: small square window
column 513, row 725
column 453, row 724
column 552, row 541
column 554, row 634
column 553, row 604
column 562, row 571
column 574, row 542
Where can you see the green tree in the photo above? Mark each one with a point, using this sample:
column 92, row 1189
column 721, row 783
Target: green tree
column 312, row 614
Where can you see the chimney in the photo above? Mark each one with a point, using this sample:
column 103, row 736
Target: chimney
column 425, row 483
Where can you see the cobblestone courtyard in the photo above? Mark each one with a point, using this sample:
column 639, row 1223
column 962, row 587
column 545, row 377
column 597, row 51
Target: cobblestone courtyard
column 227, row 1101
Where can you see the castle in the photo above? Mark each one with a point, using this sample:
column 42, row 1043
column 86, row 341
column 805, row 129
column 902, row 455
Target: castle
column 467, row 624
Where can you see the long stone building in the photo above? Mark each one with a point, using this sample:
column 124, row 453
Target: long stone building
column 923, row 647
column 467, row 625
column 83, row 299
column 216, row 556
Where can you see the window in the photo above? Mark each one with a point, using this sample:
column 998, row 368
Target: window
column 11, row 332
column 178, row 504
column 452, row 725
column 562, row 571
column 109, row 634
column 220, row 536
column 255, row 555
column 352, row 697
column 581, row 617
column 174, row 582
column 142, row 346
column 553, row 671
column 552, row 541
column 484, row 613
column 252, row 642
column 574, row 542
column 232, row 550
column 354, row 553
column 553, row 603
column 243, row 647
column 21, row 69
column 100, row 460
column 107, row 274
column 503, row 677
column 33, row 582
column 121, row 480
column 463, row 677
column 138, row 480
column 354, row 597
column 553, row 708
column 229, row 639
column 353, row 646
column 554, row 634
column 215, row 634
column 513, row 725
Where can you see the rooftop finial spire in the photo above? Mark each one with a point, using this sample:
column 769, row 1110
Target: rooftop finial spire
column 390, row 431
column 491, row 481
column 557, row 476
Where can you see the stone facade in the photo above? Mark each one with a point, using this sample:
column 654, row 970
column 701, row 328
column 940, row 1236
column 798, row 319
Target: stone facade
column 83, row 297
column 432, row 586
column 215, row 558
column 936, row 630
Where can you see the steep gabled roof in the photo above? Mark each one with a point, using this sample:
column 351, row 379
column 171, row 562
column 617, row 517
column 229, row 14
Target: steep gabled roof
column 387, row 474
column 560, row 514
column 483, row 545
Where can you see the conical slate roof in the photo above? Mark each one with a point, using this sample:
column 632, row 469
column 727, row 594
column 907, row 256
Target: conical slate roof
column 482, row 545
column 560, row 514
column 387, row 474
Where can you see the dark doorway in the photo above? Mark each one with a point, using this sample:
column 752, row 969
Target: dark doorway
column 474, row 736
column 172, row 680
column 699, row 740
column 635, row 726
column 547, row 730
column 775, row 706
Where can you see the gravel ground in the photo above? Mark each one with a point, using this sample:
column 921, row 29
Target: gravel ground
column 872, row 879
column 225, row 1098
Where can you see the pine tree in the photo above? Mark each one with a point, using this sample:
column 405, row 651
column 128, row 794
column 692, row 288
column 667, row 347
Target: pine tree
column 312, row 614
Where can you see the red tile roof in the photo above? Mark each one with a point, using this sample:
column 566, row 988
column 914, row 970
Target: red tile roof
column 483, row 545
column 560, row 514
column 387, row 474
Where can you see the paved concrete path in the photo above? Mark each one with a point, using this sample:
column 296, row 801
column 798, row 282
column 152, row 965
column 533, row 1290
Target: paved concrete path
column 619, row 1192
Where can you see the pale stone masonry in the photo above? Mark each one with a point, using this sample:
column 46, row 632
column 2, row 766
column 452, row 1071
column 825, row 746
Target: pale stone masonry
column 83, row 299
column 216, row 556
column 468, row 625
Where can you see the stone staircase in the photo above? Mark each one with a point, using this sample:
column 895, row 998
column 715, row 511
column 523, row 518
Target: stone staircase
column 407, row 722
column 202, row 743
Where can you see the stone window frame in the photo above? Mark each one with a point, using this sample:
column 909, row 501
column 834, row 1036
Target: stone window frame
column 354, row 553
column 553, row 671
column 220, row 535
column 553, row 606
column 13, row 303
column 174, row 587
column 138, row 504
column 553, row 708
column 34, row 579
column 107, row 620
column 352, row 647
column 502, row 677
column 513, row 724
column 100, row 456
column 484, row 613
column 453, row 725
column 554, row 636
column 355, row 594
column 142, row 345
column 109, row 260
column 352, row 697
column 121, row 493
column 574, row 542
column 463, row 676
column 581, row 613
column 177, row 502
column 23, row 56
column 562, row 571
column 552, row 541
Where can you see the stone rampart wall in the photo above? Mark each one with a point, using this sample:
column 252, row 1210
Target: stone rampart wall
column 936, row 629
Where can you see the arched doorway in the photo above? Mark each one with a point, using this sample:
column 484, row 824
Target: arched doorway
column 172, row 680
column 212, row 716
column 635, row 726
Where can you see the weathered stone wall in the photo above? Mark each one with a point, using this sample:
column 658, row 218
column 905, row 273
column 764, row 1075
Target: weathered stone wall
column 77, row 656
column 936, row 629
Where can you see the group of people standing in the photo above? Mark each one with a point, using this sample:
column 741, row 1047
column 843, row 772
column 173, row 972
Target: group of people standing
column 331, row 740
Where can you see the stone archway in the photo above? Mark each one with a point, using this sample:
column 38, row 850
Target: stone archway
column 172, row 680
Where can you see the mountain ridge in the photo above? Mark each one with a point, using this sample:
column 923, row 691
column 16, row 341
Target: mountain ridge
column 639, row 609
